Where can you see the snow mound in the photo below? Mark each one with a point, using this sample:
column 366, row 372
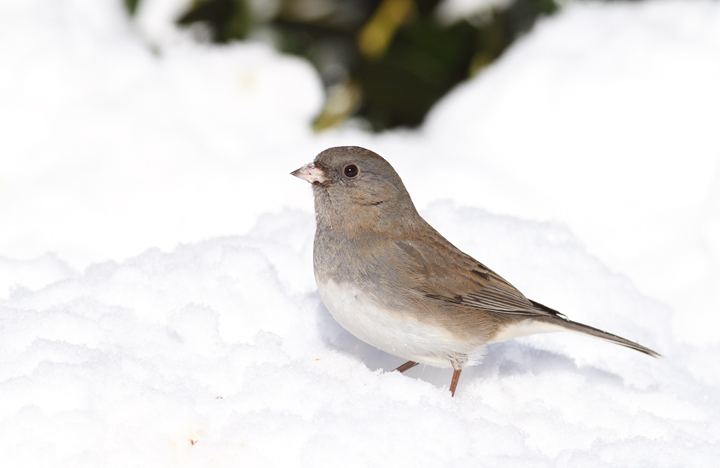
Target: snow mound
column 221, row 352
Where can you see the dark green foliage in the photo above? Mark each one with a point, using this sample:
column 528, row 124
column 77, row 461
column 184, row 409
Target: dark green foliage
column 226, row 19
column 521, row 15
column 131, row 6
column 423, row 62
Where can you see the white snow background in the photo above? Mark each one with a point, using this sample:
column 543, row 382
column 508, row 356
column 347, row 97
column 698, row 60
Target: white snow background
column 157, row 302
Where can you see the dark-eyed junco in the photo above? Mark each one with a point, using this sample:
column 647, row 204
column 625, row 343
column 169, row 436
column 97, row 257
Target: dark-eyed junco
column 393, row 281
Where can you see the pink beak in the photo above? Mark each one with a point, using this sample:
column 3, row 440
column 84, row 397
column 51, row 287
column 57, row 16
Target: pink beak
column 311, row 173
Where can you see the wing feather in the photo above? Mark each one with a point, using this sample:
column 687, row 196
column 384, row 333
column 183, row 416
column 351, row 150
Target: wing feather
column 471, row 283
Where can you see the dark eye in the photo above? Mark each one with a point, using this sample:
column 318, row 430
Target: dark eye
column 351, row 170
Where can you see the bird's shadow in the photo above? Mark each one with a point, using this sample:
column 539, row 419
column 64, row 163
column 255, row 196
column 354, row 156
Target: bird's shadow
column 501, row 360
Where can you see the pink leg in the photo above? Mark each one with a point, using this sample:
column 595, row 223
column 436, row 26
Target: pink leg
column 406, row 366
column 454, row 382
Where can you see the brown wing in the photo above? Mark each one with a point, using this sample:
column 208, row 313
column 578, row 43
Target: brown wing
column 444, row 272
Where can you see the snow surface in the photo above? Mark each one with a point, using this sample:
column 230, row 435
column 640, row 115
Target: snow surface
column 157, row 302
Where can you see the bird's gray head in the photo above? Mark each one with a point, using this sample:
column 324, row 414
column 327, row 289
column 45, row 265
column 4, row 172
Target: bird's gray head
column 358, row 190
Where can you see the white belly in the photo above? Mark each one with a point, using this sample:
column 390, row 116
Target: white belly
column 525, row 328
column 395, row 332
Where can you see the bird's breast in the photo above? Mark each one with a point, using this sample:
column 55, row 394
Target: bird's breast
column 397, row 332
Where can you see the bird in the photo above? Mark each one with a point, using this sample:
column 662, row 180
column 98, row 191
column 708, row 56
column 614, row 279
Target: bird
column 393, row 281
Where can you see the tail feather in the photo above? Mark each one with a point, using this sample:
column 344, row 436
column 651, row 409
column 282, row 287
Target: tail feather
column 576, row 327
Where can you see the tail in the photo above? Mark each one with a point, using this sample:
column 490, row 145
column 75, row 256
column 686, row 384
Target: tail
column 576, row 327
column 554, row 317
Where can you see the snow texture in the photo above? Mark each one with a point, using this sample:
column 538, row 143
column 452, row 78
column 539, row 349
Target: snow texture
column 157, row 301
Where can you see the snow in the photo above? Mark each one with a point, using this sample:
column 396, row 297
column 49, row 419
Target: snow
column 157, row 301
column 450, row 11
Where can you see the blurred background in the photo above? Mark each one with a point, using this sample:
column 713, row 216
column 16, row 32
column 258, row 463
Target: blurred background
column 384, row 62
